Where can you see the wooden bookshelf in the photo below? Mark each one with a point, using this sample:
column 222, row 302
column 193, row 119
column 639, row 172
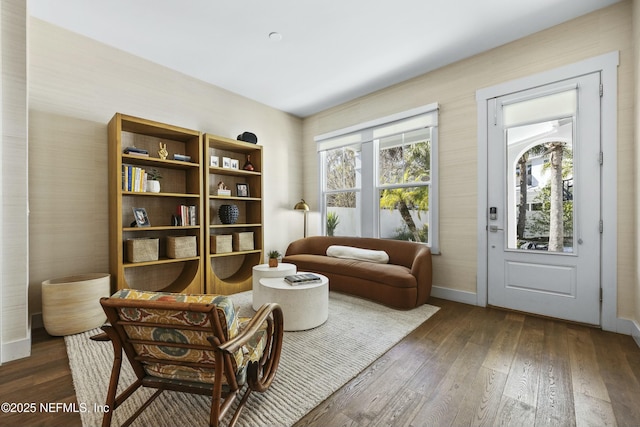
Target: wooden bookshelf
column 231, row 272
column 182, row 184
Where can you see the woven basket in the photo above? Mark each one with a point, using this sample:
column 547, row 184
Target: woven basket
column 243, row 241
column 221, row 244
column 71, row 305
column 181, row 247
column 141, row 250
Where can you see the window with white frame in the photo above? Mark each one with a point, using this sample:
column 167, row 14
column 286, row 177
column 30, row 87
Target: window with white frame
column 341, row 195
column 379, row 179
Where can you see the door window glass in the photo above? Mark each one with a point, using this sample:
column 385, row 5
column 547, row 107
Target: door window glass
column 540, row 182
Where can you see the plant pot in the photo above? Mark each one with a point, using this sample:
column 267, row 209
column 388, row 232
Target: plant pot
column 228, row 214
column 273, row 262
column 71, row 305
column 153, row 186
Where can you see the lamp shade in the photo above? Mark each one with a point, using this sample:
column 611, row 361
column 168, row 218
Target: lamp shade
column 301, row 206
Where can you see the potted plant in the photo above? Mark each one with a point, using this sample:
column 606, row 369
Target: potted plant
column 153, row 183
column 332, row 222
column 273, row 258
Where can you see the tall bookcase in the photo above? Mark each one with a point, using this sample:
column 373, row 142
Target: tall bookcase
column 231, row 272
column 181, row 185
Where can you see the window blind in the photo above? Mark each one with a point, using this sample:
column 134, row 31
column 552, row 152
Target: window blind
column 417, row 118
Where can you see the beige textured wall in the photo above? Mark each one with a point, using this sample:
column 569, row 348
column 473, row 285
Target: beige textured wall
column 14, row 327
column 75, row 86
column 454, row 87
column 636, row 51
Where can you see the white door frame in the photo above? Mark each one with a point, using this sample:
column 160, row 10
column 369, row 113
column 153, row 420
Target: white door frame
column 607, row 65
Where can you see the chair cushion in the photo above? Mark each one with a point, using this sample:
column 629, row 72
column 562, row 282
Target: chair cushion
column 251, row 352
column 224, row 304
column 228, row 319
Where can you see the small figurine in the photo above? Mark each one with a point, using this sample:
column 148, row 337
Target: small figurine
column 223, row 190
column 163, row 153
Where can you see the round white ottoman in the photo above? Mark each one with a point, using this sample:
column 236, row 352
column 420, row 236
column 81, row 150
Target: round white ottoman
column 303, row 306
column 71, row 305
column 264, row 271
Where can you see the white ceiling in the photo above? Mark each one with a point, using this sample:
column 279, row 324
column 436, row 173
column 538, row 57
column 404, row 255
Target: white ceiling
column 331, row 51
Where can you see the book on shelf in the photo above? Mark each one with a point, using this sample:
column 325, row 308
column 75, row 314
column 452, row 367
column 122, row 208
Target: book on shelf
column 182, row 157
column 300, row 279
column 139, row 154
column 134, row 178
column 137, row 151
column 193, row 220
column 186, row 215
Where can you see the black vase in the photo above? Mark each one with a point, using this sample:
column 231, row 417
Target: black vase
column 228, row 214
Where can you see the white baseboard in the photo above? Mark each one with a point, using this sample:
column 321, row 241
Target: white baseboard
column 628, row 327
column 14, row 350
column 635, row 332
column 622, row 326
column 454, row 295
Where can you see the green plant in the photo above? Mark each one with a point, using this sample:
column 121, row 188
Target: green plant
column 332, row 222
column 403, row 233
column 153, row 174
column 416, row 161
column 274, row 254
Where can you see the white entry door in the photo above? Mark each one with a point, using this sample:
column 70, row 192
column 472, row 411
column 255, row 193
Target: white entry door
column 544, row 175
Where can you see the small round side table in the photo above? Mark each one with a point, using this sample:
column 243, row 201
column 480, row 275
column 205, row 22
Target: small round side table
column 304, row 306
column 264, row 271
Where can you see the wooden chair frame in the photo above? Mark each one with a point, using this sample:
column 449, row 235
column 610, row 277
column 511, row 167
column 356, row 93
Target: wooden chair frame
column 259, row 375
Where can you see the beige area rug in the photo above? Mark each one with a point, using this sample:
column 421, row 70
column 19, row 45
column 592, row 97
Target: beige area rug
column 313, row 365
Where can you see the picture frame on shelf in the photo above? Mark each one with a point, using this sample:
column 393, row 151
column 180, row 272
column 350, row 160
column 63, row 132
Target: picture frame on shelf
column 235, row 164
column 226, row 162
column 242, row 190
column 214, row 161
column 141, row 218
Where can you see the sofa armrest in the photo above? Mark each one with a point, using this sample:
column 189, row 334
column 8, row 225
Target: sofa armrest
column 422, row 270
column 295, row 247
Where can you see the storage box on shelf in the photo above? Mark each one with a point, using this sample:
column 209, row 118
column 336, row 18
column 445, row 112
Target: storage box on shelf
column 142, row 249
column 221, row 244
column 153, row 147
column 229, row 271
column 243, row 241
column 182, row 246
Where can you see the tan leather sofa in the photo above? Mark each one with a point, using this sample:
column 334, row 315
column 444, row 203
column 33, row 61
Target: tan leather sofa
column 404, row 282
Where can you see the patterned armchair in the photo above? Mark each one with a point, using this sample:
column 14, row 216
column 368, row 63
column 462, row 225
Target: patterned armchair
column 191, row 343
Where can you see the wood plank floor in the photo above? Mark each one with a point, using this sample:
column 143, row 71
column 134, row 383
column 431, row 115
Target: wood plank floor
column 466, row 366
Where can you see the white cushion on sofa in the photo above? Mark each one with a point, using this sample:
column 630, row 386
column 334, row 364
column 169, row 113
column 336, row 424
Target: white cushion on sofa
column 337, row 251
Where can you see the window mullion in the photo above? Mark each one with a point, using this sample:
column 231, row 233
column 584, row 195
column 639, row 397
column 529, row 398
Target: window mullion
column 369, row 218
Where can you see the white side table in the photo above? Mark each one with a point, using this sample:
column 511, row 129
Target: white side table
column 264, row 271
column 303, row 306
